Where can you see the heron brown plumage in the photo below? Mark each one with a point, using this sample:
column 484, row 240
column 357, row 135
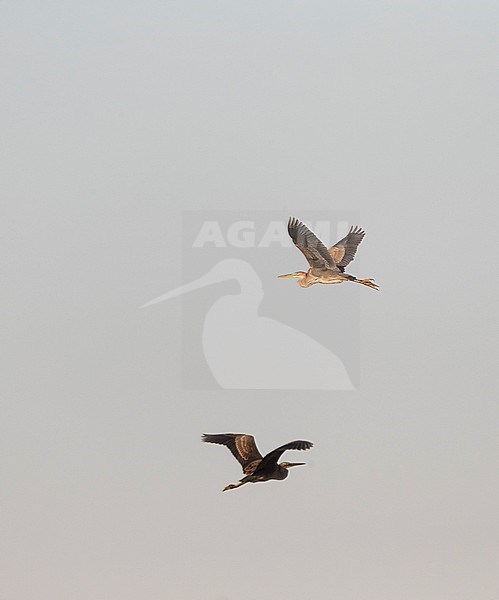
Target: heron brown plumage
column 327, row 265
column 255, row 466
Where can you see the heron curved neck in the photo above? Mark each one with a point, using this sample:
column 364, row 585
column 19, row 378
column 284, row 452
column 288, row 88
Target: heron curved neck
column 283, row 472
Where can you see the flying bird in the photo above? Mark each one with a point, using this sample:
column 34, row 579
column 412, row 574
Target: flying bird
column 255, row 466
column 327, row 265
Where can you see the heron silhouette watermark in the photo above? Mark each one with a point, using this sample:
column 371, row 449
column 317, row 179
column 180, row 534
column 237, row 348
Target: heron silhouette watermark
column 250, row 339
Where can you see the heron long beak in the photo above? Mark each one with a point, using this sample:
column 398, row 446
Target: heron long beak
column 295, row 464
column 288, row 276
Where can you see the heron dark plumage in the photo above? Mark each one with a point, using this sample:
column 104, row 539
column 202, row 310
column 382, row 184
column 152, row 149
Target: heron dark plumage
column 255, row 466
column 327, row 265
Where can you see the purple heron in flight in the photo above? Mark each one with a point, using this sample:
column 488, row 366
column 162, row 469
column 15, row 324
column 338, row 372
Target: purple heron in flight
column 255, row 466
column 327, row 265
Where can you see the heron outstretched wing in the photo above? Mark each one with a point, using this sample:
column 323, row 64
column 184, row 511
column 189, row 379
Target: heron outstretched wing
column 242, row 446
column 272, row 457
column 343, row 252
column 313, row 249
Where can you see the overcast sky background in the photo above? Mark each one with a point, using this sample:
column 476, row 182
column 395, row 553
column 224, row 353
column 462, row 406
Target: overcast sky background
column 119, row 115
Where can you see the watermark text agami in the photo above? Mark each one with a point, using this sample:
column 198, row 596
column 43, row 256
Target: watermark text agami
column 250, row 234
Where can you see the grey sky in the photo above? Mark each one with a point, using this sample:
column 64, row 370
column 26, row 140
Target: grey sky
column 119, row 115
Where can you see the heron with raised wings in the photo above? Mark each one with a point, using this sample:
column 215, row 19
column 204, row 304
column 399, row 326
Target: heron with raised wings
column 327, row 265
column 255, row 466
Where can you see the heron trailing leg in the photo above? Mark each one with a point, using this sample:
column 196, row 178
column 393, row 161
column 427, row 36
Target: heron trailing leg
column 255, row 466
column 232, row 486
column 369, row 282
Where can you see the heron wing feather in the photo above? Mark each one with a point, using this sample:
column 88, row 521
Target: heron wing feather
column 343, row 252
column 310, row 245
column 271, row 458
column 242, row 446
